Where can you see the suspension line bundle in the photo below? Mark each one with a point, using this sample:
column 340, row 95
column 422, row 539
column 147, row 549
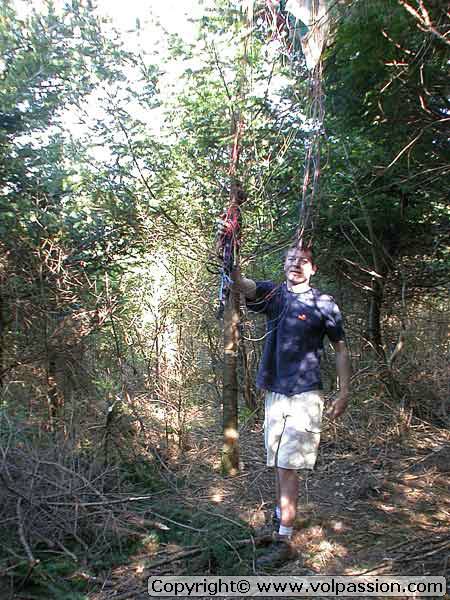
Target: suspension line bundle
column 310, row 200
column 303, row 26
column 227, row 251
column 300, row 26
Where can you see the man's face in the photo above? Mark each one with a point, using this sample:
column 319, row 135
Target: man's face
column 298, row 266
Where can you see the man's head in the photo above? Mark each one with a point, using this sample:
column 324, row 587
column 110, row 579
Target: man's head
column 299, row 265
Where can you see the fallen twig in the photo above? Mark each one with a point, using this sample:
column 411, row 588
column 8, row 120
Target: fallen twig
column 176, row 522
column 175, row 557
column 103, row 502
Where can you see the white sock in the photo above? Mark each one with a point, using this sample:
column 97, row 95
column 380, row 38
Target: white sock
column 286, row 531
column 278, row 512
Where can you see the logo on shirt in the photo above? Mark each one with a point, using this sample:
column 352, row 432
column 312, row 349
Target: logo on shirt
column 302, row 317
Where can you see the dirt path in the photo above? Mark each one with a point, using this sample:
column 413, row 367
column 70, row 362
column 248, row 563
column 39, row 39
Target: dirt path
column 373, row 505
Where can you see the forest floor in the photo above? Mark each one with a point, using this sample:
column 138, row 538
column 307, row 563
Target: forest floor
column 377, row 503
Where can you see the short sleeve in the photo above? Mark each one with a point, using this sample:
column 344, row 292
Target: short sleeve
column 334, row 326
column 264, row 294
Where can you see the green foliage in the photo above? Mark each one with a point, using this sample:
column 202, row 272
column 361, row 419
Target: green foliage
column 107, row 225
column 142, row 474
column 215, row 537
column 224, row 83
column 386, row 90
column 70, row 219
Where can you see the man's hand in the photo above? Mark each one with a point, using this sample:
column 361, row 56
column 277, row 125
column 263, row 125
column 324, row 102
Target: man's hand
column 237, row 276
column 343, row 370
column 338, row 406
column 244, row 285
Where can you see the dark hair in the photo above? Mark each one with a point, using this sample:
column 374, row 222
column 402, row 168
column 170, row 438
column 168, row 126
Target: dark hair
column 303, row 247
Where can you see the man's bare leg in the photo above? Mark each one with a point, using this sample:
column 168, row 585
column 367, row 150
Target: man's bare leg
column 288, row 495
column 283, row 550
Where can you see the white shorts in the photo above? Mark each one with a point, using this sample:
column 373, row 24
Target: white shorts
column 292, row 429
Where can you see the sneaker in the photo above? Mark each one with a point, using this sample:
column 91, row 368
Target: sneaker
column 280, row 551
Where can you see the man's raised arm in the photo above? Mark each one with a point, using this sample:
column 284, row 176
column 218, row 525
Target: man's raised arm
column 244, row 285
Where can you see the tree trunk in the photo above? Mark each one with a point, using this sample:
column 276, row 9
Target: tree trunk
column 230, row 455
column 374, row 319
column 375, row 335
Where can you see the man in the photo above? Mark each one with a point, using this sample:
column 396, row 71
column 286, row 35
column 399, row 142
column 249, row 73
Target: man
column 298, row 318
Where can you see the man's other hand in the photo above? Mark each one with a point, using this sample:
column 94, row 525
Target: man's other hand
column 338, row 406
column 343, row 370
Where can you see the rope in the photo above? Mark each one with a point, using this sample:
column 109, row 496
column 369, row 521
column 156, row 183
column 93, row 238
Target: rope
column 228, row 242
column 287, row 30
column 310, row 200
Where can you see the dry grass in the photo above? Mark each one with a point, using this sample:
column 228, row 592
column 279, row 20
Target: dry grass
column 377, row 502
